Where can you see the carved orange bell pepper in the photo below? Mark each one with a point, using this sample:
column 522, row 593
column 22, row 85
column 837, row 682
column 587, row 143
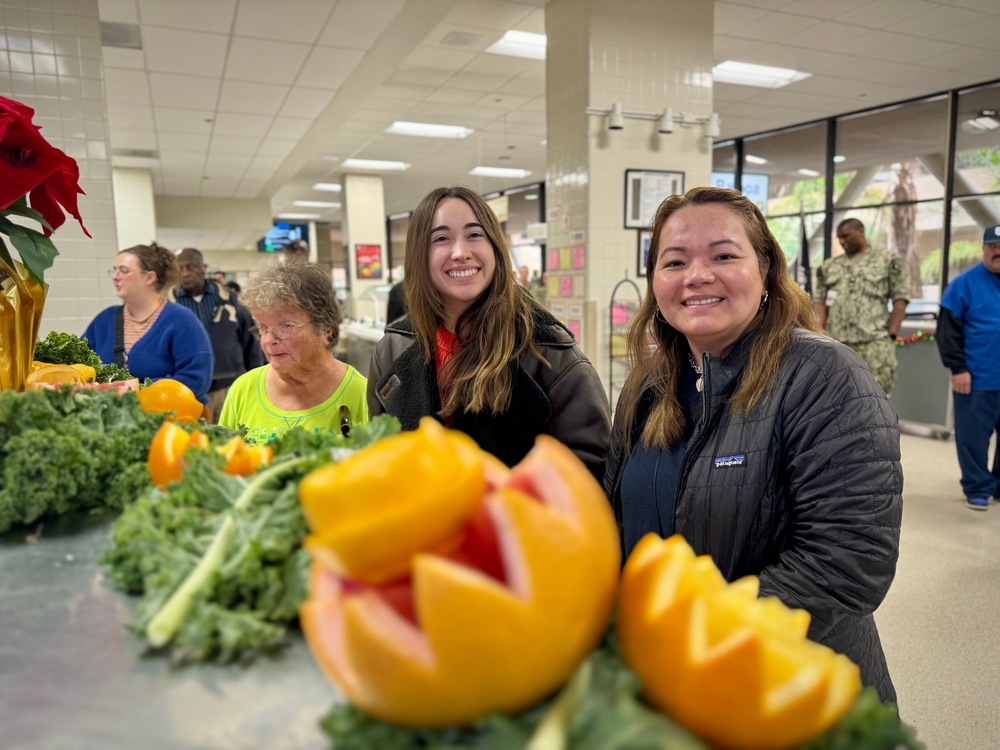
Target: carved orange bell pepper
column 736, row 670
column 445, row 586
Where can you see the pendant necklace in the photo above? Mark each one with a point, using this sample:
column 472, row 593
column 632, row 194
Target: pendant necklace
column 700, row 382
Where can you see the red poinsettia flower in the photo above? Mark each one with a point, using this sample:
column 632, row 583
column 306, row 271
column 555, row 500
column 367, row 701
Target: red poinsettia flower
column 29, row 165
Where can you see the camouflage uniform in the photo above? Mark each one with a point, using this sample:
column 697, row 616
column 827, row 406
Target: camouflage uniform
column 857, row 290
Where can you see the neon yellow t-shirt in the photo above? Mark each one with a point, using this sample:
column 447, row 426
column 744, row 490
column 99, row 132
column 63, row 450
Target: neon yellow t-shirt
column 247, row 403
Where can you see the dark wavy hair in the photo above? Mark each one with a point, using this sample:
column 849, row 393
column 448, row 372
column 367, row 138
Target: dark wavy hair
column 159, row 260
column 659, row 367
column 496, row 330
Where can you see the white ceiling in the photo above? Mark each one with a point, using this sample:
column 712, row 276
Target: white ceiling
column 252, row 98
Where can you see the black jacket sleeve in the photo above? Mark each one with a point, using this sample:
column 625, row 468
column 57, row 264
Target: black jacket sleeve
column 951, row 341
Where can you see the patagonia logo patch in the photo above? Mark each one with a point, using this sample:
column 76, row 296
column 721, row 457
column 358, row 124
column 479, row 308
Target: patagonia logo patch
column 723, row 461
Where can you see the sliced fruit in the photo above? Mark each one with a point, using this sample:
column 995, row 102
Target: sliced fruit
column 52, row 374
column 736, row 670
column 494, row 624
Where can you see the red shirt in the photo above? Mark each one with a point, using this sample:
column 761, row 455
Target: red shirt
column 446, row 347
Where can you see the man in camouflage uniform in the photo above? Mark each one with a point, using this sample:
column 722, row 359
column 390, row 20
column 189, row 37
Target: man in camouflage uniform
column 851, row 300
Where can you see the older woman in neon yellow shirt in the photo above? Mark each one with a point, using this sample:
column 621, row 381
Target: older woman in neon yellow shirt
column 303, row 384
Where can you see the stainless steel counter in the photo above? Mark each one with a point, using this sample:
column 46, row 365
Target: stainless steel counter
column 73, row 678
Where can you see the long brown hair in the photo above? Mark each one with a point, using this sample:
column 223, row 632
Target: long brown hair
column 494, row 331
column 659, row 367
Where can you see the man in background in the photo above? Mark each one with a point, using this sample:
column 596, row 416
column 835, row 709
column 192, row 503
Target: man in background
column 228, row 324
column 852, row 296
column 968, row 335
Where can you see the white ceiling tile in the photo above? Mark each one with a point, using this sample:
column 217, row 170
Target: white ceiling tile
column 183, row 141
column 938, row 19
column 475, row 39
column 878, row 40
column 522, row 86
column 299, row 21
column 501, row 101
column 820, row 8
column 192, row 53
column 196, row 15
column 118, row 11
column 983, row 34
column 218, row 160
column 264, row 61
column 289, row 127
column 404, row 93
column 499, row 65
column 126, row 86
column 305, row 102
column 235, row 144
column 134, row 116
column 476, row 81
column 186, row 91
column 252, row 98
column 232, row 175
column 419, row 76
column 987, row 6
column 329, row 67
column 490, row 14
column 358, row 24
column 230, row 123
column 174, row 120
column 175, row 160
column 133, row 138
column 438, row 58
column 952, row 59
column 916, row 51
column 774, row 27
column 276, row 147
column 731, row 16
column 732, row 48
column 881, row 14
column 265, row 164
column 533, row 23
column 826, row 35
column 453, row 96
column 117, row 57
column 219, row 188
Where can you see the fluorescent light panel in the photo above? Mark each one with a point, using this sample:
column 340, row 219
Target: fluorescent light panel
column 520, row 44
column 839, row 158
column 982, row 124
column 316, row 204
column 499, row 172
column 751, row 159
column 292, row 215
column 329, row 187
column 428, row 130
column 376, row 164
column 808, row 172
column 762, row 76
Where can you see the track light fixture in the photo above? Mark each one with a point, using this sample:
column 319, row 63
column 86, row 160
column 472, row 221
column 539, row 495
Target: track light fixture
column 665, row 120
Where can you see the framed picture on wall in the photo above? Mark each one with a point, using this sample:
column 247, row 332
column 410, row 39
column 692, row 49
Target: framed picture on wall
column 645, row 190
column 645, row 239
column 369, row 261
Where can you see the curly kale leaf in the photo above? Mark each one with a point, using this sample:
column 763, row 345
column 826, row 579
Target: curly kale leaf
column 65, row 349
column 111, row 373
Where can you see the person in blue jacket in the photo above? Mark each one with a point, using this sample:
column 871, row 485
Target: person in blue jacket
column 967, row 335
column 148, row 335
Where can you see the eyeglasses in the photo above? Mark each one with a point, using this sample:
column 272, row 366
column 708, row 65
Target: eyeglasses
column 280, row 332
column 119, row 270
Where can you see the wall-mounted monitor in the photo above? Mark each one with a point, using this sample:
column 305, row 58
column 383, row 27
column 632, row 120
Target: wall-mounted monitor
column 281, row 234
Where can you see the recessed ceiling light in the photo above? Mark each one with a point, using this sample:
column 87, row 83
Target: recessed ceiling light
column 499, row 172
column 531, row 197
column 520, row 44
column 839, row 158
column 330, row 187
column 316, row 204
column 751, row 159
column 428, row 130
column 297, row 216
column 376, row 164
column 808, row 172
column 981, row 124
column 748, row 74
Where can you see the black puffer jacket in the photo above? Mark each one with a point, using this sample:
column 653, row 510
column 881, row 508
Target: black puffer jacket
column 564, row 399
column 810, row 498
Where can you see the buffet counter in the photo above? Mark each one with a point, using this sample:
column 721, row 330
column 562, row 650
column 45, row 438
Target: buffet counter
column 922, row 394
column 357, row 344
column 72, row 677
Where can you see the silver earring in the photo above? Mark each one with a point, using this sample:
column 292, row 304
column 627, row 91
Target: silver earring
column 763, row 300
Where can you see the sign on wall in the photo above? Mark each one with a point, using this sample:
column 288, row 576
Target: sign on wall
column 368, row 260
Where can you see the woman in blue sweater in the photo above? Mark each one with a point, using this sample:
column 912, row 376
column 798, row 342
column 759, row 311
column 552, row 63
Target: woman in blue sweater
column 148, row 335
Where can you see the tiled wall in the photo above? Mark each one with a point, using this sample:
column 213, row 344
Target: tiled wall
column 50, row 60
column 647, row 55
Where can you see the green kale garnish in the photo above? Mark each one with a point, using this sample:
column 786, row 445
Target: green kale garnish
column 65, row 349
column 218, row 559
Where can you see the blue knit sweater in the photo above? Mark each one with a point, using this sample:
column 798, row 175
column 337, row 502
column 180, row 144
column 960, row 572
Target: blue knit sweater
column 176, row 347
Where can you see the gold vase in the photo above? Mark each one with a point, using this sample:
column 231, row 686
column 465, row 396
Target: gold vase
column 22, row 299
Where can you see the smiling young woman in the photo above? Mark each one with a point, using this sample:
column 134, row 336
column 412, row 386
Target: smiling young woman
column 763, row 443
column 475, row 350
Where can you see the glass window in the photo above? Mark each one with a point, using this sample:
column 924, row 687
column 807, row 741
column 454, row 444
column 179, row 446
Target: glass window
column 891, row 155
column 787, row 169
column 977, row 142
column 969, row 218
column 796, row 235
column 524, row 221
